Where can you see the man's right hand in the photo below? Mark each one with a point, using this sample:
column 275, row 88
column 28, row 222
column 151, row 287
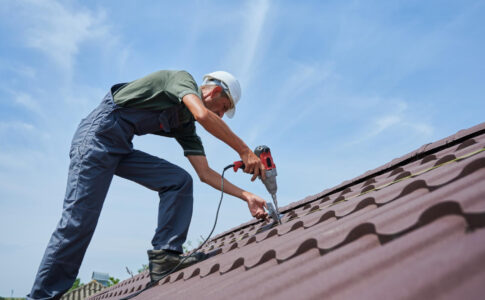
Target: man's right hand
column 253, row 164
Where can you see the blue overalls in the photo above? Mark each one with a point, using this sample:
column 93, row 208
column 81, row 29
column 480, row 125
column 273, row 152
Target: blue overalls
column 102, row 146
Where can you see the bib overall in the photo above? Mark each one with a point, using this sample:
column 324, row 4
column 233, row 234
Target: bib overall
column 101, row 147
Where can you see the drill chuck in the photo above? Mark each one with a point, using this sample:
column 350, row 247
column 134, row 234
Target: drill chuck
column 270, row 181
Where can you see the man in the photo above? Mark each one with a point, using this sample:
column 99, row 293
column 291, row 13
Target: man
column 165, row 103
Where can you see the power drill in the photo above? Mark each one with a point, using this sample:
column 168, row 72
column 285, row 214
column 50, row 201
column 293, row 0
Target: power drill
column 264, row 154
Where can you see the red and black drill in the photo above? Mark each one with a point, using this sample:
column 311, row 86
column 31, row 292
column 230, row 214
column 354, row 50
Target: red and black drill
column 264, row 154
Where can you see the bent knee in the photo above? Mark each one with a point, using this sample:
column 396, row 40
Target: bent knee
column 184, row 180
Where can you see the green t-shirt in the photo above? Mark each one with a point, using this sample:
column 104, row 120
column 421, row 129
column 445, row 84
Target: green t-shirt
column 162, row 90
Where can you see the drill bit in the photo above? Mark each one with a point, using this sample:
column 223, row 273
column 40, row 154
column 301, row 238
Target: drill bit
column 275, row 201
column 273, row 213
column 277, row 210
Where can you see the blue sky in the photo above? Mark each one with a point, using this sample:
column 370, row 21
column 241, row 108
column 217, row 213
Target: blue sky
column 335, row 88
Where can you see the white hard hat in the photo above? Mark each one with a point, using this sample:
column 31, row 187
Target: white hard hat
column 232, row 88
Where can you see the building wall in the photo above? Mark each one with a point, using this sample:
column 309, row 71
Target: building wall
column 84, row 291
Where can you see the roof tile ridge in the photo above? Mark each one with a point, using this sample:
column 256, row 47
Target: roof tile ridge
column 229, row 231
column 421, row 152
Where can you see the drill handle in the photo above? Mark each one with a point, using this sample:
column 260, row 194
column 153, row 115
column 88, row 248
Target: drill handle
column 238, row 165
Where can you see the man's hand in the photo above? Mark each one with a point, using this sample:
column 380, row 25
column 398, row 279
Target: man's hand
column 256, row 205
column 253, row 164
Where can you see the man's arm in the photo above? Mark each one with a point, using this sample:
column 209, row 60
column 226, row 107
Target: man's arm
column 218, row 128
column 212, row 178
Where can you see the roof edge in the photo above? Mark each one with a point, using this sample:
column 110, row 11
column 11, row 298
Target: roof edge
column 421, row 152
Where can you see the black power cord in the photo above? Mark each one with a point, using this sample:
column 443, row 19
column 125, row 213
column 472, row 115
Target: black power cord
column 153, row 283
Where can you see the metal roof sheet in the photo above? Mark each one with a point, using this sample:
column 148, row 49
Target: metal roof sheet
column 413, row 228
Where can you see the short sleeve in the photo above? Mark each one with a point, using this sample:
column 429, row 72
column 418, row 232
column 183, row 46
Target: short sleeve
column 182, row 84
column 190, row 141
column 192, row 145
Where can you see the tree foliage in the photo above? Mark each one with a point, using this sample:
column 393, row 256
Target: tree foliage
column 143, row 268
column 77, row 283
column 113, row 281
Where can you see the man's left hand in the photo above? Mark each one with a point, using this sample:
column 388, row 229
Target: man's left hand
column 256, row 205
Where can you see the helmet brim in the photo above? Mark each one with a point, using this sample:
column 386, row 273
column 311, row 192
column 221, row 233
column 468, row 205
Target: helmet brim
column 231, row 112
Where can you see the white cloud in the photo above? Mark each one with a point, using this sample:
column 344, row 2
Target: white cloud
column 21, row 135
column 420, row 127
column 15, row 126
column 58, row 31
column 304, row 83
column 24, row 71
column 249, row 45
column 384, row 123
column 399, row 116
column 26, row 101
column 304, row 77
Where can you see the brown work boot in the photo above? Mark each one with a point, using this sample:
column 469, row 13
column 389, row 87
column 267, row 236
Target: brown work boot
column 162, row 262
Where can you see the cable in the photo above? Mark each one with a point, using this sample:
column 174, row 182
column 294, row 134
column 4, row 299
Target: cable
column 152, row 284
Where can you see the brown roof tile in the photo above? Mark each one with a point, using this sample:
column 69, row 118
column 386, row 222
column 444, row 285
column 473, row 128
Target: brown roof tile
column 413, row 228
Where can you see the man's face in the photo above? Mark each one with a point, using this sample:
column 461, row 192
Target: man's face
column 218, row 105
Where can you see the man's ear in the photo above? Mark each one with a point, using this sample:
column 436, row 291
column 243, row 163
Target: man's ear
column 216, row 90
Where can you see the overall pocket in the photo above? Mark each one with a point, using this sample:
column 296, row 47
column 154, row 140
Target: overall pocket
column 111, row 136
column 169, row 118
column 164, row 123
column 149, row 124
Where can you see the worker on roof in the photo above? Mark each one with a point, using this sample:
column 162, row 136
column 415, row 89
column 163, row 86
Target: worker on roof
column 165, row 103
